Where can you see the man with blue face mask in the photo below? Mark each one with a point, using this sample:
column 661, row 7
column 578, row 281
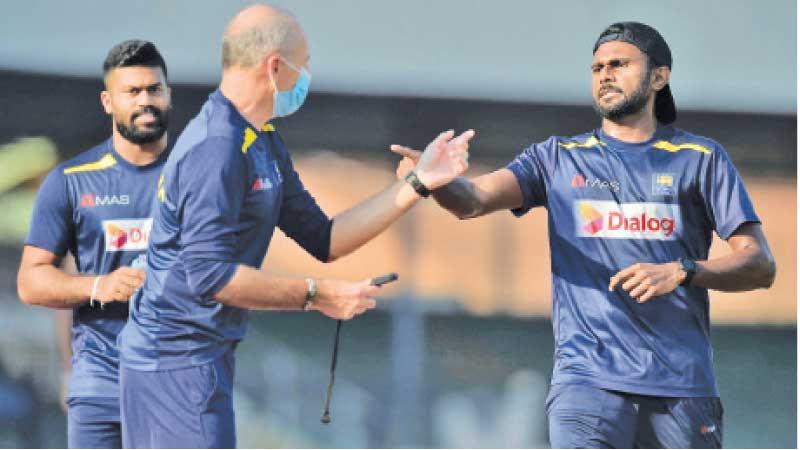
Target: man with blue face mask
column 288, row 102
column 227, row 184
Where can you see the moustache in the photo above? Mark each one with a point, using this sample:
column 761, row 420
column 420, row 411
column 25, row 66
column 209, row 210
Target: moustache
column 608, row 88
column 157, row 113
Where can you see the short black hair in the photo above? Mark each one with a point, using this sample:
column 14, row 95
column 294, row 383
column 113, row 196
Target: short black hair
column 131, row 53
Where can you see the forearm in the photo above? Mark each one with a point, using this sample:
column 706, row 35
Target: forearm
column 49, row 286
column 742, row 270
column 460, row 197
column 251, row 288
column 359, row 224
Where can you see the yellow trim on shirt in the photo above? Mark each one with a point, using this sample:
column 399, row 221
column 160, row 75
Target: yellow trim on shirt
column 591, row 142
column 672, row 148
column 268, row 127
column 250, row 136
column 161, row 192
column 101, row 164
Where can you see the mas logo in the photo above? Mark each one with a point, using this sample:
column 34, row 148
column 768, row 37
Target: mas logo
column 127, row 234
column 261, row 184
column 607, row 219
column 89, row 200
column 266, row 182
column 581, row 182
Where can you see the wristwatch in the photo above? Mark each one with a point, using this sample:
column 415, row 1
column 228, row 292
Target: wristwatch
column 412, row 179
column 311, row 293
column 688, row 266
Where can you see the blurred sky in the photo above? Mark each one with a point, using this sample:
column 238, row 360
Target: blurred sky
column 730, row 55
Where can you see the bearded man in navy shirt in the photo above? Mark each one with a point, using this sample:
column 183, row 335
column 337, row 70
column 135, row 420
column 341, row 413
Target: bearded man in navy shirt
column 631, row 208
column 97, row 206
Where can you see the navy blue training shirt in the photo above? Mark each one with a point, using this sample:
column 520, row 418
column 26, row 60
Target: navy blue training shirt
column 612, row 204
column 97, row 207
column 225, row 187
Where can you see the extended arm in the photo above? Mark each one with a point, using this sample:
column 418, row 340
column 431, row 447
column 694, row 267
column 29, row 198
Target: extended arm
column 468, row 198
column 246, row 287
column 444, row 159
column 255, row 289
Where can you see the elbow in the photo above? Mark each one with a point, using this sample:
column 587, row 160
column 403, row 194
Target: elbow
column 25, row 294
column 761, row 270
column 465, row 216
column 475, row 209
column 767, row 272
column 469, row 215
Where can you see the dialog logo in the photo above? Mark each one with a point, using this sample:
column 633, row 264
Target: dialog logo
column 593, row 220
column 607, row 219
column 127, row 234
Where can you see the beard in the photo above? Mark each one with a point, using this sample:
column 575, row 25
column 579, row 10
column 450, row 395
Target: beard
column 144, row 135
column 629, row 105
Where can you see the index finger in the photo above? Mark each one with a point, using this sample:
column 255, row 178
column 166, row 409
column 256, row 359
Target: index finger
column 619, row 277
column 464, row 137
column 404, row 151
column 131, row 272
column 368, row 289
column 444, row 137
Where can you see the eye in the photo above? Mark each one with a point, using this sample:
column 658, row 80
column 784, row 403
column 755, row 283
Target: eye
column 617, row 63
column 155, row 89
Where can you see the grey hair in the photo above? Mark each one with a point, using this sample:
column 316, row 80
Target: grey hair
column 246, row 48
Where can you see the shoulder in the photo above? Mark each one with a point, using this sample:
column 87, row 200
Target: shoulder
column 211, row 136
column 583, row 140
column 555, row 144
column 68, row 176
column 96, row 159
column 277, row 146
column 676, row 140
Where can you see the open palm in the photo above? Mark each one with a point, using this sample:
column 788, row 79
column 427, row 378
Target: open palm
column 444, row 159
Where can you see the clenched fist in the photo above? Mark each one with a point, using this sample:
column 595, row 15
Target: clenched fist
column 119, row 285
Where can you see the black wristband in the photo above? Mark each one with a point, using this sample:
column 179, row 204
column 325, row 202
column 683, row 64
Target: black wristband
column 688, row 266
column 415, row 183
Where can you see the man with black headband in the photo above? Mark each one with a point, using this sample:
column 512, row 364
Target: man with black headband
column 97, row 207
column 632, row 206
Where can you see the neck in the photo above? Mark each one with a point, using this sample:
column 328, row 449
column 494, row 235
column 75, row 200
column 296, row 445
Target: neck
column 138, row 154
column 633, row 128
column 241, row 87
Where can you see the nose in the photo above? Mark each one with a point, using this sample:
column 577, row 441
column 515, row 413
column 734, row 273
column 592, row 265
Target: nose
column 607, row 73
column 145, row 98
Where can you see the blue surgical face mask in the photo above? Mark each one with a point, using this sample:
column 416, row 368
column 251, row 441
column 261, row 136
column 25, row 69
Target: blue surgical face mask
column 285, row 103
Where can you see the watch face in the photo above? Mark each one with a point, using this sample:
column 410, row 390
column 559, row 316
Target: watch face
column 688, row 266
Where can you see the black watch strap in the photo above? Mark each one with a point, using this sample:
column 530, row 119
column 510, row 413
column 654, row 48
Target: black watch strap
column 412, row 179
column 688, row 266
